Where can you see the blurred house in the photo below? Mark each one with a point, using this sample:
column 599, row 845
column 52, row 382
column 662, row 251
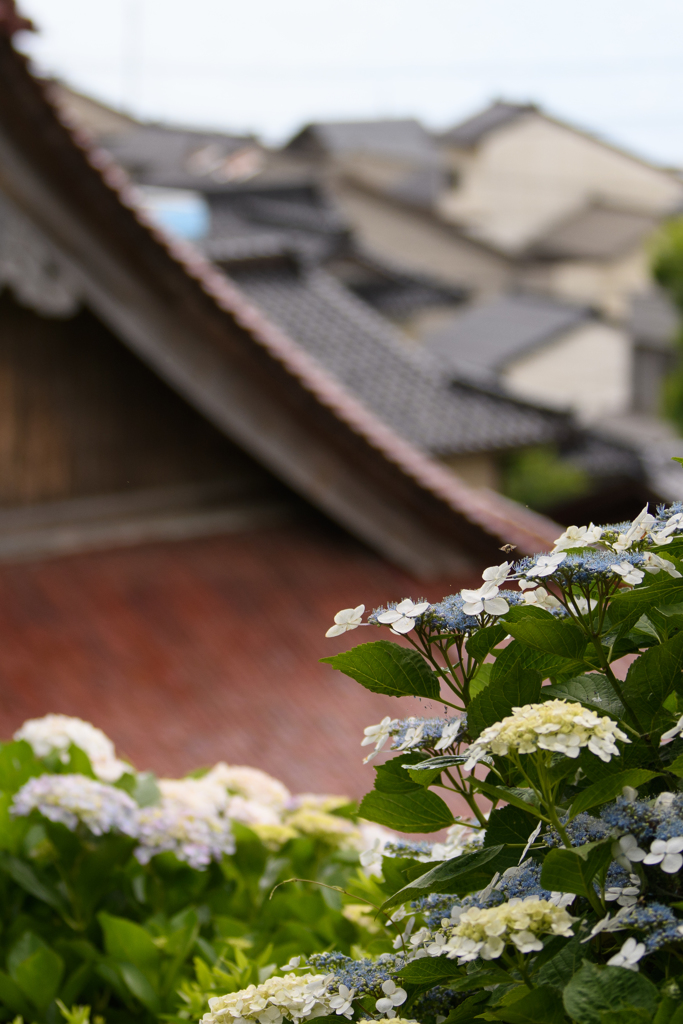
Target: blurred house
column 230, row 423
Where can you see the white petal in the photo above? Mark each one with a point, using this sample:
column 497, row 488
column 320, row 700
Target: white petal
column 672, row 863
column 389, row 616
column 496, row 606
column 336, row 630
column 403, row 625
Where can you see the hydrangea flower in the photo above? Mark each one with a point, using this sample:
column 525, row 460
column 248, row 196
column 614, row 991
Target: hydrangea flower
column 556, row 725
column 57, row 733
column 70, row 799
column 402, row 618
column 577, row 537
column 393, row 996
column 195, row 835
column 628, row 573
column 378, row 734
column 292, row 998
column 666, row 853
column 545, row 565
column 628, row 956
column 346, row 619
column 638, row 529
column 540, row 598
column 485, row 601
column 485, row 933
column 654, row 563
column 413, row 733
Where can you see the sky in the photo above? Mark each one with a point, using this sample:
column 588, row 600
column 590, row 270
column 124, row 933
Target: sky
column 269, row 66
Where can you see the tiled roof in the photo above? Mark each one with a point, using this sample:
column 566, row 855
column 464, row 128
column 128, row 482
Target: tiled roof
column 406, row 139
column 479, row 342
column 597, row 232
column 470, row 132
column 366, row 355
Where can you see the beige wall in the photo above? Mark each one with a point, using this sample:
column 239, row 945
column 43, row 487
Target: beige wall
column 410, row 240
column 527, row 176
column 609, row 285
column 588, row 370
column 480, row 470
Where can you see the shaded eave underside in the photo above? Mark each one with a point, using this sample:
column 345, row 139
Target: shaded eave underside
column 187, row 320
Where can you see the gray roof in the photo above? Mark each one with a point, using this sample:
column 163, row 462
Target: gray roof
column 470, row 132
column 596, row 232
column 479, row 342
column 392, row 138
column 366, row 354
column 654, row 320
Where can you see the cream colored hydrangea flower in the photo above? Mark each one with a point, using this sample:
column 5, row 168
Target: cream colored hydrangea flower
column 556, row 725
column 485, row 933
column 291, row 997
column 57, row 733
column 329, row 827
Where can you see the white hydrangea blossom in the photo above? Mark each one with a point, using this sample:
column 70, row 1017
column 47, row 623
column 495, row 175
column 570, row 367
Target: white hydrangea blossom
column 639, row 528
column 291, row 997
column 485, row 933
column 556, row 725
column 497, row 574
column 459, row 839
column 628, row 573
column 250, row 783
column 654, row 563
column 629, row 955
column 345, row 620
column 540, row 598
column 485, row 600
column 546, row 565
column 71, row 799
column 393, row 996
column 378, row 734
column 664, row 536
column 402, row 618
column 577, row 537
column 57, row 733
column 195, row 834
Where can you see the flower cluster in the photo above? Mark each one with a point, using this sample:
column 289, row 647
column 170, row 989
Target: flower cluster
column 556, row 726
column 291, row 998
column 414, row 733
column 194, row 834
column 485, row 933
column 74, row 799
column 56, row 733
column 459, row 839
column 362, row 978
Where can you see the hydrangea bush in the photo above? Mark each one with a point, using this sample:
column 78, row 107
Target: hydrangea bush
column 124, row 897
column 555, row 767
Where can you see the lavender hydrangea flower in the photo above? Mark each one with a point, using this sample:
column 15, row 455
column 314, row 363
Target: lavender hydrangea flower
column 74, row 799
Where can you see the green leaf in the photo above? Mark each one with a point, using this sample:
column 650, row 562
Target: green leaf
column 541, row 1006
column 17, row 765
column 139, row 986
column 607, row 789
column 525, row 799
column 574, row 870
column 417, row 810
column 384, row 667
column 430, row 971
column 593, row 990
column 36, row 969
column 498, row 699
column 629, row 1015
column 510, row 826
column 562, row 967
column 651, row 678
column 460, row 876
column 626, row 608
column 441, row 762
column 676, row 766
column 125, row 940
column 467, row 1011
column 25, row 876
column 484, row 640
column 553, row 636
column 12, row 997
column 482, row 679
column 391, row 776
column 593, row 690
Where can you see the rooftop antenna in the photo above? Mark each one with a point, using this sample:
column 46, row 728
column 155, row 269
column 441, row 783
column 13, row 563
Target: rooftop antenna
column 131, row 54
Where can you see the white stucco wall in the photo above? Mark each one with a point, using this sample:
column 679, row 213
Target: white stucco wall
column 608, row 285
column 588, row 370
column 528, row 175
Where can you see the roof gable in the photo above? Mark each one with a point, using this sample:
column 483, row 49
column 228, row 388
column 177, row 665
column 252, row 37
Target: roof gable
column 201, row 334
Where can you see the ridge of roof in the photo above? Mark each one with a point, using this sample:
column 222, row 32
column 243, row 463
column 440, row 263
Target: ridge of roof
column 11, row 21
column 496, row 516
column 470, row 131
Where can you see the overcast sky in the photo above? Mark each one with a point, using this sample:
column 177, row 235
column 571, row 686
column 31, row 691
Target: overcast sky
column 268, row 66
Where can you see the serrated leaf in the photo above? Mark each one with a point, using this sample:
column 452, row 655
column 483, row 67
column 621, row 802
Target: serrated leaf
column 384, row 667
column 525, row 799
column 541, row 1006
column 593, row 690
column 607, row 789
column 574, row 870
column 626, row 608
column 510, row 826
column 484, row 640
column 560, row 968
column 497, row 700
column 391, row 776
column 460, row 875
column 676, row 766
column 415, row 811
column 651, row 678
column 594, row 990
column 552, row 636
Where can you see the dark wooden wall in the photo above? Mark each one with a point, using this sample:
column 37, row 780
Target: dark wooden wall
column 81, row 415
